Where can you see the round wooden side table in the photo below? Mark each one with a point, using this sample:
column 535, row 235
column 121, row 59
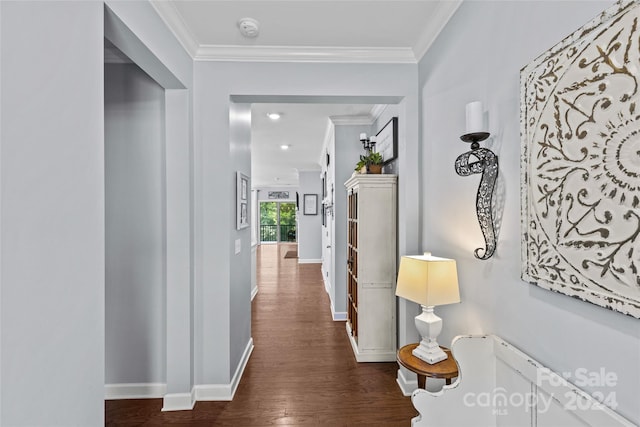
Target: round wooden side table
column 445, row 369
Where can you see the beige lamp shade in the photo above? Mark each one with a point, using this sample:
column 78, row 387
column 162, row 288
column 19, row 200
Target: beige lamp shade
column 428, row 280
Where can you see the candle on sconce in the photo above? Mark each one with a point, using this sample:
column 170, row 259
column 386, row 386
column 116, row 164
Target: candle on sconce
column 363, row 136
column 475, row 117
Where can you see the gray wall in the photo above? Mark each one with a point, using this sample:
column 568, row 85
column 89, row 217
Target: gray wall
column 240, row 285
column 136, row 29
column 407, row 311
column 51, row 214
column 310, row 226
column 561, row 332
column 135, row 226
column 348, row 150
column 328, row 231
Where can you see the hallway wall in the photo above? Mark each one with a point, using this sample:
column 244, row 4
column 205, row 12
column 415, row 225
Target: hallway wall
column 347, row 153
column 51, row 214
column 136, row 29
column 561, row 332
column 310, row 226
column 240, row 262
column 135, row 223
column 52, row 210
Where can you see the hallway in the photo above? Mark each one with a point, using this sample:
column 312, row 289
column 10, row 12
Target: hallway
column 302, row 370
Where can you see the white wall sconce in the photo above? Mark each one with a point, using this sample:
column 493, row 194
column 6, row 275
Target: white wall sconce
column 369, row 144
column 487, row 165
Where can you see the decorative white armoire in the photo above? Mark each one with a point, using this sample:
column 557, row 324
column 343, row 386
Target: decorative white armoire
column 371, row 266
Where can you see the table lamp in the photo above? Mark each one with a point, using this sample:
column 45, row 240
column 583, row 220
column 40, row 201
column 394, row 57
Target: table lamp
column 428, row 281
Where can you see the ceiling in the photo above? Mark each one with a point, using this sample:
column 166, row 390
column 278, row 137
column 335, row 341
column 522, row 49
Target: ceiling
column 301, row 127
column 378, row 31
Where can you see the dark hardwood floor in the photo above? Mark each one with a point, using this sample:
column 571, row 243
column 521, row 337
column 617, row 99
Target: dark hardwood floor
column 302, row 370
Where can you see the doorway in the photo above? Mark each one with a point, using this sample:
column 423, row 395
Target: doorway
column 149, row 282
column 278, row 222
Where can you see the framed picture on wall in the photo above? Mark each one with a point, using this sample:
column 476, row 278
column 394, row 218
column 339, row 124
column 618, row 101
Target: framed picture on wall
column 278, row 194
column 242, row 201
column 310, row 204
column 387, row 141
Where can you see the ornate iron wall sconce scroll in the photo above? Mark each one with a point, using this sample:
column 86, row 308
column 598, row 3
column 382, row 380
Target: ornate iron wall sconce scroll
column 487, row 165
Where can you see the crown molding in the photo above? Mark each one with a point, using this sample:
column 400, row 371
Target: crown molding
column 305, row 54
column 380, row 55
column 441, row 17
column 377, row 111
column 173, row 20
column 352, row 120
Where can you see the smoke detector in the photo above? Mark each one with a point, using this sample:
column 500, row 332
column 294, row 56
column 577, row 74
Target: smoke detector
column 249, row 27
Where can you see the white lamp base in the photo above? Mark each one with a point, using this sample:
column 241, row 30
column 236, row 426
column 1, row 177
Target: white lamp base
column 429, row 325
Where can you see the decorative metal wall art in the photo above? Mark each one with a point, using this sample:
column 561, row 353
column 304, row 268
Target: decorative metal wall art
column 487, row 165
column 580, row 127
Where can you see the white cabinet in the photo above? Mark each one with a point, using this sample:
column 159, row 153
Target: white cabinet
column 371, row 266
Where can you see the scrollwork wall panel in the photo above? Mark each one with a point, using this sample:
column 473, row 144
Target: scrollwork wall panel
column 580, row 129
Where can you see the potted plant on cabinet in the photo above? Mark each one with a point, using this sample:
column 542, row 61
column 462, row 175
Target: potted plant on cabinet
column 374, row 163
column 371, row 163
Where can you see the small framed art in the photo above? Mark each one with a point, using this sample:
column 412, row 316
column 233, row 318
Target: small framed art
column 242, row 201
column 310, row 204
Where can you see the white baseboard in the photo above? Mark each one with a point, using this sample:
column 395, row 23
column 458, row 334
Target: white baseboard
column 178, row 401
column 181, row 401
column 340, row 316
column 406, row 386
column 309, row 261
column 369, row 355
column 336, row 316
column 135, row 391
column 327, row 287
column 213, row 392
column 254, row 292
column 224, row 392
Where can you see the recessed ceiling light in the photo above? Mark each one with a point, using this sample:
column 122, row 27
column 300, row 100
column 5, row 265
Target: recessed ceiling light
column 285, row 146
column 273, row 116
